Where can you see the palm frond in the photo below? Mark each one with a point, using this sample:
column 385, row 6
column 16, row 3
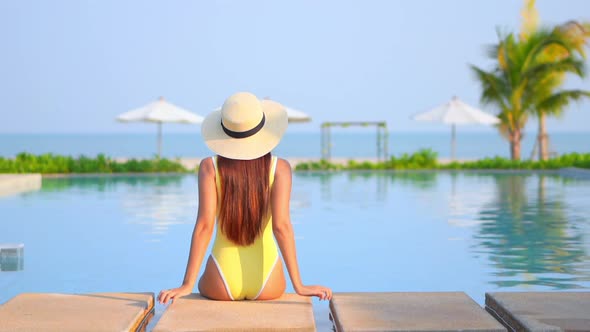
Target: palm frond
column 539, row 71
column 555, row 103
column 491, row 51
column 536, row 47
column 578, row 33
column 492, row 87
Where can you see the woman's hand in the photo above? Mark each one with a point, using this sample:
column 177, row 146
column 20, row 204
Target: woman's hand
column 171, row 294
column 324, row 293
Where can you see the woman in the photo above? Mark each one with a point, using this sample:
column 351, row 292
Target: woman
column 247, row 190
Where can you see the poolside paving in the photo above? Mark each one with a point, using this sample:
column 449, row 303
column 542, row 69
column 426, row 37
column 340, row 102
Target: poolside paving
column 11, row 184
column 410, row 311
column 541, row 311
column 290, row 312
column 77, row 312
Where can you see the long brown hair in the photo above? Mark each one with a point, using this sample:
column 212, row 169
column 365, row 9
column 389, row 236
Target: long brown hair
column 245, row 197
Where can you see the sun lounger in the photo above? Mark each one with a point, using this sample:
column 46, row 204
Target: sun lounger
column 195, row 313
column 77, row 312
column 445, row 311
column 541, row 311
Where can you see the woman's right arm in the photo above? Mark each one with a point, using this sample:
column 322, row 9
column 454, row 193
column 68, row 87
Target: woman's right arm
column 283, row 231
column 201, row 233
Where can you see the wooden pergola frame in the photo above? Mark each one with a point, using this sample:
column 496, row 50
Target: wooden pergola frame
column 382, row 135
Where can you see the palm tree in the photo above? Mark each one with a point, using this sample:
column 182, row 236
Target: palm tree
column 576, row 34
column 556, row 100
column 553, row 104
column 520, row 80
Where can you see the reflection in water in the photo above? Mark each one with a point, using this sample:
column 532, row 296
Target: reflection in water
column 12, row 257
column 530, row 240
column 160, row 207
column 160, row 204
column 465, row 202
column 380, row 180
column 519, row 221
column 108, row 182
column 423, row 180
column 154, row 201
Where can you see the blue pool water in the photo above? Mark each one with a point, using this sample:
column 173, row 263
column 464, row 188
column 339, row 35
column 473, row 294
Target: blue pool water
column 355, row 231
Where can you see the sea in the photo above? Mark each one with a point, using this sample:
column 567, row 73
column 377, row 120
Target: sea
column 344, row 144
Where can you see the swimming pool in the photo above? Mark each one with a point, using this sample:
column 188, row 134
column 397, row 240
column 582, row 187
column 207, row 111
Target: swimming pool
column 355, row 231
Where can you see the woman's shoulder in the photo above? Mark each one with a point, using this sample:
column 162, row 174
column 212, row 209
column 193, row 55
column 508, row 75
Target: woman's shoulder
column 283, row 166
column 206, row 166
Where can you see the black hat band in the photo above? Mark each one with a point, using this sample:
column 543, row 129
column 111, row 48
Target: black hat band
column 244, row 134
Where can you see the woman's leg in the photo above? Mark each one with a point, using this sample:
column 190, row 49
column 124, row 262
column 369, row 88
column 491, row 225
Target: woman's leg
column 275, row 286
column 211, row 284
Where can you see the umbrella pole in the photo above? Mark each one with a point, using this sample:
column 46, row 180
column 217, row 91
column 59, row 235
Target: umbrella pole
column 159, row 139
column 453, row 142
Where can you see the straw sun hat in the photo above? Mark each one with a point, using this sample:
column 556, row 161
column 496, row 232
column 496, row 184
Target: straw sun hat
column 245, row 128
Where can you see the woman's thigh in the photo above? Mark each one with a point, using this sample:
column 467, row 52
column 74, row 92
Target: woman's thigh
column 211, row 284
column 275, row 286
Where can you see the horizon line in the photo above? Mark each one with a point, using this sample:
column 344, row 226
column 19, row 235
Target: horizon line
column 305, row 131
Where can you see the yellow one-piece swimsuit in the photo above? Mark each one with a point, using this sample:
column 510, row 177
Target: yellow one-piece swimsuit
column 245, row 269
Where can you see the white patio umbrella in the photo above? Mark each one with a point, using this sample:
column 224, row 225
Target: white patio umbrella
column 296, row 116
column 456, row 112
column 160, row 111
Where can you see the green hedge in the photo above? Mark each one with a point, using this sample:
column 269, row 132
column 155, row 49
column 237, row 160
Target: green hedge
column 49, row 163
column 427, row 159
column 581, row 160
column 422, row 159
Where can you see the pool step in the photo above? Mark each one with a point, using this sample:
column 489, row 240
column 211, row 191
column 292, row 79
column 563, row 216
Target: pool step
column 77, row 312
column 409, row 311
column 541, row 311
column 195, row 313
column 11, row 184
column 12, row 257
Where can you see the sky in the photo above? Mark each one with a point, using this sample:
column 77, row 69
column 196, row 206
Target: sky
column 73, row 66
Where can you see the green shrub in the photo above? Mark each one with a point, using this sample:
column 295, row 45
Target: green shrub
column 49, row 163
column 427, row 159
column 566, row 160
column 423, row 159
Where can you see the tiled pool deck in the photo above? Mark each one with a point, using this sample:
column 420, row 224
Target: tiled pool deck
column 395, row 311
column 77, row 312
